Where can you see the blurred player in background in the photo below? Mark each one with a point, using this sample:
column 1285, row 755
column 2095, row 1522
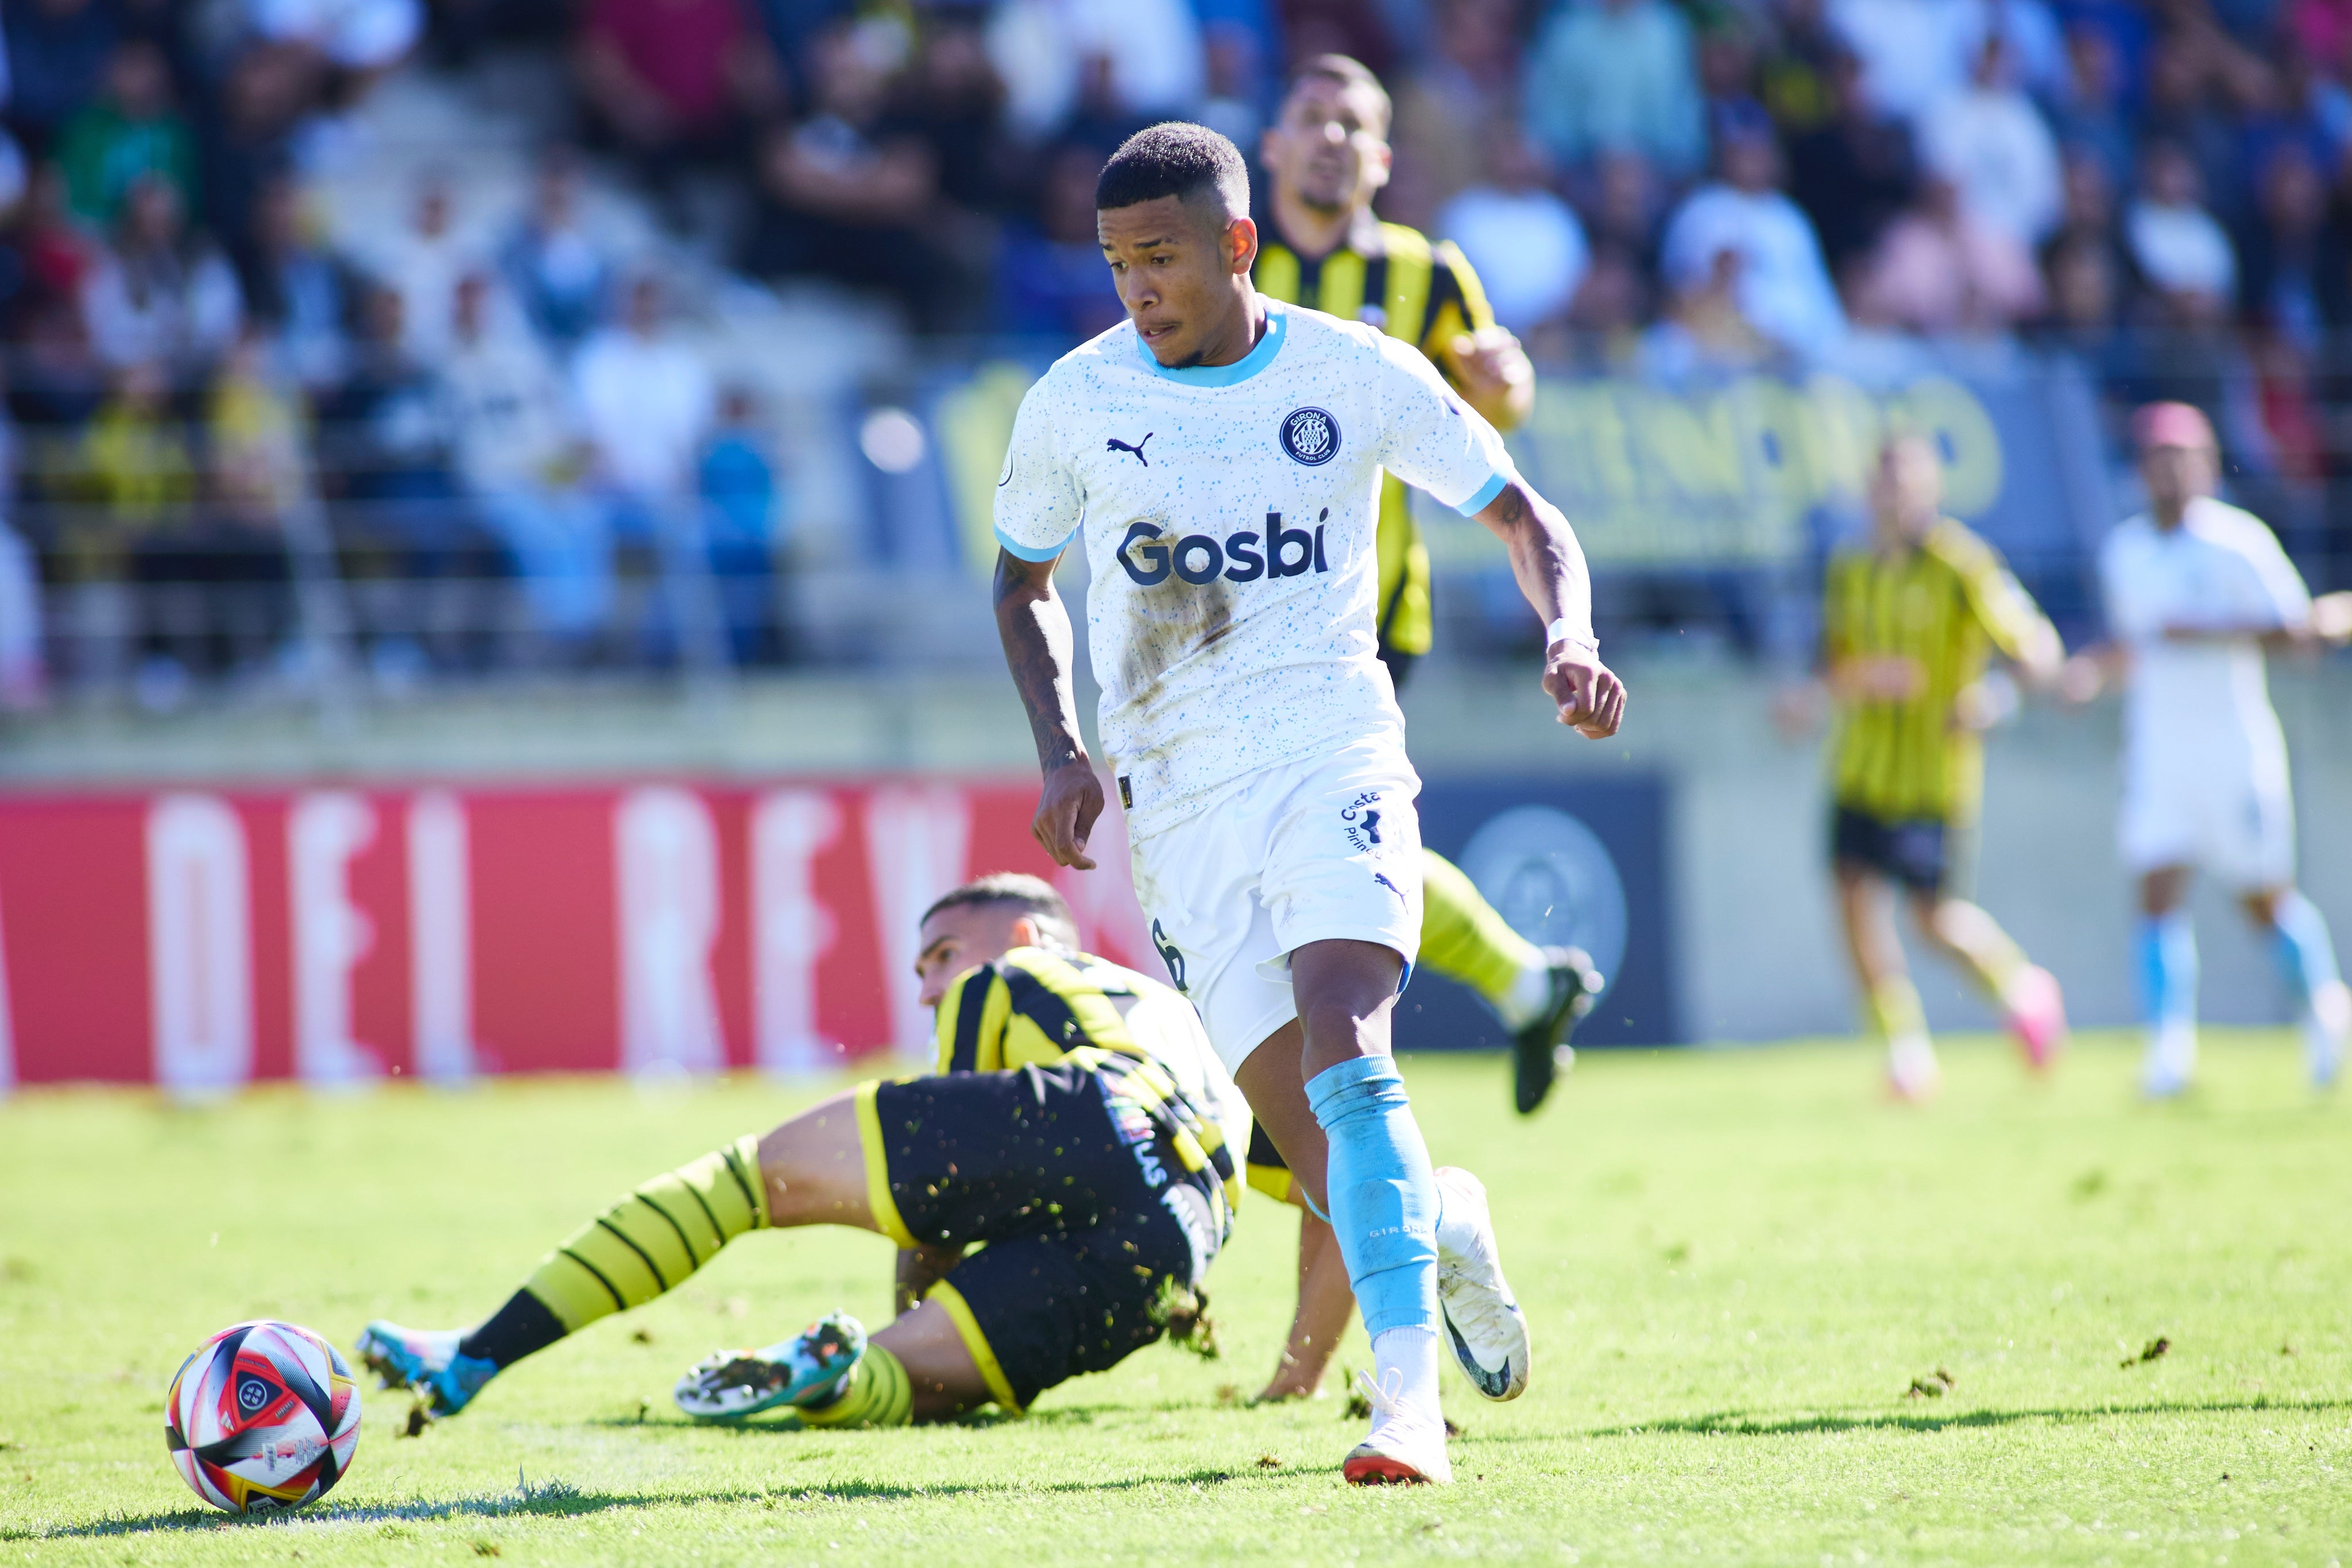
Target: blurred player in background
column 1078, row 1125
column 1327, row 156
column 2196, row 589
column 1909, row 618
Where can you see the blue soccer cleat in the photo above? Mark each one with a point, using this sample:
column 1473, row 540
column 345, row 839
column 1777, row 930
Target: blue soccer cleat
column 804, row 1370
column 426, row 1360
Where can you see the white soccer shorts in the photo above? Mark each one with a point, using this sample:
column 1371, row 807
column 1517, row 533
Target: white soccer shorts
column 1315, row 851
column 2228, row 817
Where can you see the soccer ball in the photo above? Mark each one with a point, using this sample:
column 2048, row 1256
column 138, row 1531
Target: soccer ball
column 264, row 1416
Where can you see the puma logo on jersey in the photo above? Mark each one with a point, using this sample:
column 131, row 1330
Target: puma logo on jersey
column 1116, row 445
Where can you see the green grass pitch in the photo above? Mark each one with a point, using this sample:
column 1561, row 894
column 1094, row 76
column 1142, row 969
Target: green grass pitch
column 1740, row 1268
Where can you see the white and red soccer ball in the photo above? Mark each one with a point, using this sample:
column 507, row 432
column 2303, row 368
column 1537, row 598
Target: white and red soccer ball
column 264, row 1416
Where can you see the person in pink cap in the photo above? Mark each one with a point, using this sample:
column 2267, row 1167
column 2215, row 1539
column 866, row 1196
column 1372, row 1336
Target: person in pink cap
column 2196, row 591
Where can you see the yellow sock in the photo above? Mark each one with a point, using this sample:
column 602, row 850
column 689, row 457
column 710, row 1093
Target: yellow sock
column 877, row 1393
column 653, row 1239
column 1463, row 938
column 1895, row 1010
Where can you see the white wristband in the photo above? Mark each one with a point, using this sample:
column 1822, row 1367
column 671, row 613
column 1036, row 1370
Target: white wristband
column 1560, row 631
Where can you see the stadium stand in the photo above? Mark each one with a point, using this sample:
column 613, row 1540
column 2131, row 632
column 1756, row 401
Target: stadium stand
column 363, row 347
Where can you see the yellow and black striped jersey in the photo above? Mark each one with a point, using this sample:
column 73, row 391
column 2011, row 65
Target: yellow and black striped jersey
column 1033, row 1007
column 1943, row 604
column 1392, row 277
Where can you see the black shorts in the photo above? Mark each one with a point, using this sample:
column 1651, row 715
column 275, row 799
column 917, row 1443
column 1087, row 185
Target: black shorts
column 1092, row 1198
column 1916, row 853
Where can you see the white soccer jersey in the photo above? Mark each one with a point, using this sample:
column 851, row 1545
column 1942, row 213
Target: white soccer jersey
column 1230, row 515
column 2198, row 706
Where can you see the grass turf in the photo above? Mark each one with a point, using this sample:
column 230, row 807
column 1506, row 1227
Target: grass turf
column 1740, row 1268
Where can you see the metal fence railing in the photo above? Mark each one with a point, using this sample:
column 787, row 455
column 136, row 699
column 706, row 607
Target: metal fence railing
column 174, row 551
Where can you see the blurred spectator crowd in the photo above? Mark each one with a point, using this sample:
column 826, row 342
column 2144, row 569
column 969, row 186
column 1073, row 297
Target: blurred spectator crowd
column 502, row 453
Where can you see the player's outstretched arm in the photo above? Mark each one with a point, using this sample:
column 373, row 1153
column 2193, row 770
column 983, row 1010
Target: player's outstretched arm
column 1549, row 565
column 1035, row 626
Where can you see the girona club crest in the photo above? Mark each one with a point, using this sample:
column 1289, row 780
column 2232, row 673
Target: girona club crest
column 1311, row 436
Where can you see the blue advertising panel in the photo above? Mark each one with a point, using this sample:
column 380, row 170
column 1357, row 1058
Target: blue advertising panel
column 1570, row 860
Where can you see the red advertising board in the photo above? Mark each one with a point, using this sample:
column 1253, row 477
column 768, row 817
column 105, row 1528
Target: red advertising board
column 200, row 939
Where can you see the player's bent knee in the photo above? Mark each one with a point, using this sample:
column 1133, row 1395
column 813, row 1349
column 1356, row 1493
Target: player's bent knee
column 947, row 1381
column 814, row 1167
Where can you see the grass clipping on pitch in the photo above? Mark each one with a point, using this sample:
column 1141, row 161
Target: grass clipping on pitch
column 1775, row 1320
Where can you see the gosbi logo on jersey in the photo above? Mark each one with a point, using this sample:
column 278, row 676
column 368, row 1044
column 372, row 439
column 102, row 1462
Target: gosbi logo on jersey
column 1243, row 557
column 1310, row 435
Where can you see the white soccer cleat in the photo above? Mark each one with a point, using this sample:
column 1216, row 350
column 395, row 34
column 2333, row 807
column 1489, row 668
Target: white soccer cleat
column 1405, row 1447
column 2327, row 1032
column 1482, row 1320
column 1912, row 1073
column 2170, row 1063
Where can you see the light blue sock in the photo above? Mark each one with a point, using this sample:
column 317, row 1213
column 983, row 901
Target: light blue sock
column 2299, row 941
column 1382, row 1197
column 2168, row 968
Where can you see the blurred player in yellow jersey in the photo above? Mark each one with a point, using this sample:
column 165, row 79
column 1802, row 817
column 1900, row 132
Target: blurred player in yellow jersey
column 1327, row 156
column 1909, row 620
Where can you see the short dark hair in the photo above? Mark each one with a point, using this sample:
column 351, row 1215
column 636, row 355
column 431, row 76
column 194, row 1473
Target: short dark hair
column 1035, row 897
column 1349, row 72
column 1178, row 159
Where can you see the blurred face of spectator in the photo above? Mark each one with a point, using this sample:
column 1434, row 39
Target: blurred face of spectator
column 469, row 311
column 955, row 66
column 1509, row 155
column 2176, row 75
column 2090, row 199
column 433, row 210
column 1726, row 63
column 1627, row 195
column 2176, row 476
column 1476, row 36
column 2082, row 284
column 1330, row 149
column 138, row 81
column 1906, row 490
column 1067, row 212
column 555, row 198
column 644, row 310
column 144, row 388
column 2171, row 177
column 2295, row 201
column 2092, row 59
column 849, row 81
column 151, row 215
column 1610, row 297
column 267, row 88
column 380, row 318
column 1173, row 263
column 1989, row 70
column 278, row 218
column 1751, row 162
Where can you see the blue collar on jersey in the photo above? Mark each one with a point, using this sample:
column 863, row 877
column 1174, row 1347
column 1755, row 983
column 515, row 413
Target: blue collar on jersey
column 1241, row 370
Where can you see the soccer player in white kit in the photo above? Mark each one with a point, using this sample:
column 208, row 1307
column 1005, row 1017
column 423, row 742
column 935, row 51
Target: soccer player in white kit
column 1218, row 455
column 2196, row 589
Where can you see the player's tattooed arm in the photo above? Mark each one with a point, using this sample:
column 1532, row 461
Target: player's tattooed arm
column 1035, row 626
column 1550, row 565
